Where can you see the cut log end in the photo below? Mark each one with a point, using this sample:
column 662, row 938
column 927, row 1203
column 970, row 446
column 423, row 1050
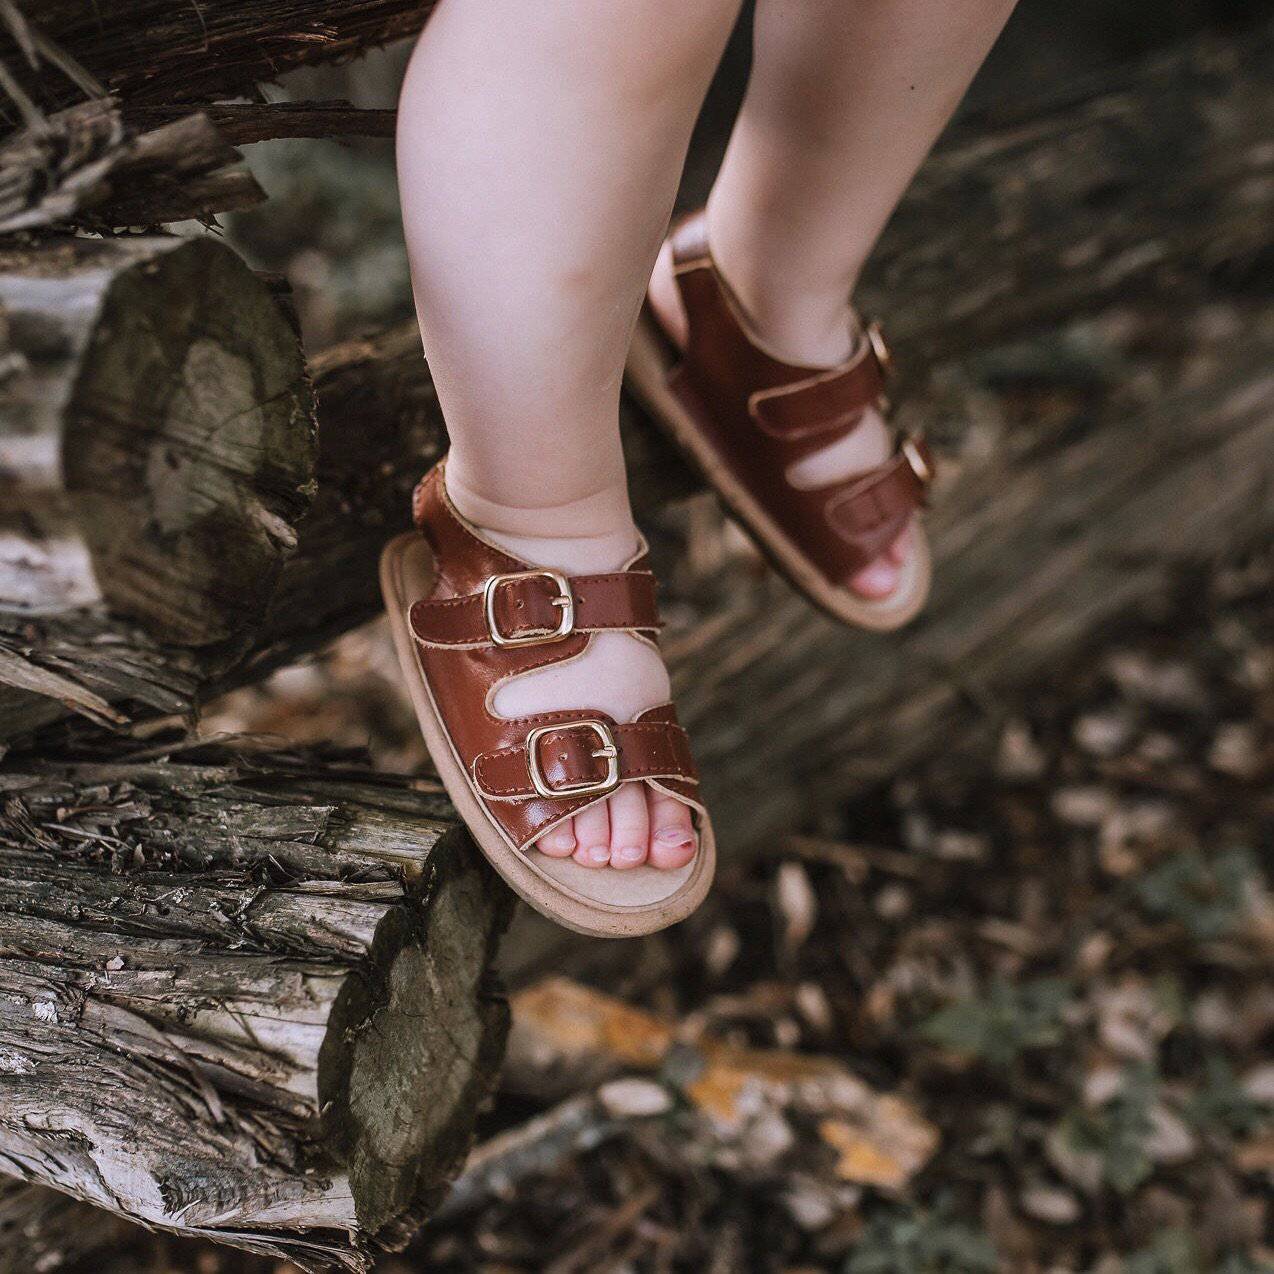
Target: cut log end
column 159, row 428
column 413, row 1045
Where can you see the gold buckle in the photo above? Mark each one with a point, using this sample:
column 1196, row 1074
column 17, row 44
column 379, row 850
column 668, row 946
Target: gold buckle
column 608, row 749
column 538, row 636
column 880, row 347
column 910, row 448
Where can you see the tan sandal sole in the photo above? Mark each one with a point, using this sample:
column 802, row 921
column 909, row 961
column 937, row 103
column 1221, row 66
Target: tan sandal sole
column 618, row 904
column 647, row 376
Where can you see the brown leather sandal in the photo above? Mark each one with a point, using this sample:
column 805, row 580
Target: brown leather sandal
column 466, row 616
column 745, row 417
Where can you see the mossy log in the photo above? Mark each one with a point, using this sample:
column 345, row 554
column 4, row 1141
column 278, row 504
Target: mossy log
column 244, row 996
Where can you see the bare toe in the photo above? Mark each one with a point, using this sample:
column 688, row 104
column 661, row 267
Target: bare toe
column 629, row 826
column 673, row 841
column 560, row 842
column 592, row 835
column 876, row 580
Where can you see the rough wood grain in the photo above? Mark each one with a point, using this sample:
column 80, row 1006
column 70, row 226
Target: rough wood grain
column 84, row 167
column 243, row 122
column 154, row 51
column 268, row 961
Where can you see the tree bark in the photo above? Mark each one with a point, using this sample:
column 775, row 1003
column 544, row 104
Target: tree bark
column 154, row 52
column 241, row 123
column 83, row 166
column 268, row 962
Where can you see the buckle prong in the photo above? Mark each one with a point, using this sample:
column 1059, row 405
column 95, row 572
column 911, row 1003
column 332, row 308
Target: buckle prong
column 880, row 347
column 909, row 445
column 591, row 787
column 564, row 601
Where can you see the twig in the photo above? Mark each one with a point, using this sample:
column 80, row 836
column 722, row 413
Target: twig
column 31, row 114
column 588, row 1252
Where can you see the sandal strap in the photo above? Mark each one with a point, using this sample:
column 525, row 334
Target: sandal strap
column 535, row 607
column 826, row 404
column 870, row 509
column 576, row 756
column 798, row 411
column 759, row 416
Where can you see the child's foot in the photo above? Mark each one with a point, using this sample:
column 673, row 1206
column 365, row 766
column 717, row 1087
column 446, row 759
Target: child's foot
column 619, row 674
column 868, row 445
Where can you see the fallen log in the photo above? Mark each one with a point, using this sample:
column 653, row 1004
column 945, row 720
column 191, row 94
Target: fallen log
column 156, row 451
column 276, row 967
column 154, row 52
column 1038, row 555
column 1041, row 243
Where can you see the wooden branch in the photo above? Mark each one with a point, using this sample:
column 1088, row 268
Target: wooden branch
column 241, row 123
column 266, row 961
column 156, row 52
column 617, row 1068
column 83, row 167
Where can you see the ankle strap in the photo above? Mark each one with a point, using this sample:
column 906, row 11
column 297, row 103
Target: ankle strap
column 535, row 607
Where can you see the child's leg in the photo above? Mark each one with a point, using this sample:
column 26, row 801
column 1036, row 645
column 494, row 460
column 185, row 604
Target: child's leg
column 540, row 148
column 845, row 100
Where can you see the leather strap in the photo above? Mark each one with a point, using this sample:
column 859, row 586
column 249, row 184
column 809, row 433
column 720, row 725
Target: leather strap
column 581, row 754
column 530, row 603
column 566, row 756
column 760, row 416
column 806, row 409
column 823, row 405
column 865, row 510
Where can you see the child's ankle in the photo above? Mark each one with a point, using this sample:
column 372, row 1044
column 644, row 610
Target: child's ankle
column 801, row 320
column 593, row 533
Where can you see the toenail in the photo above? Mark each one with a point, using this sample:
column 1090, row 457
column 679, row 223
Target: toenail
column 598, row 854
column 629, row 854
column 877, row 575
column 674, row 837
